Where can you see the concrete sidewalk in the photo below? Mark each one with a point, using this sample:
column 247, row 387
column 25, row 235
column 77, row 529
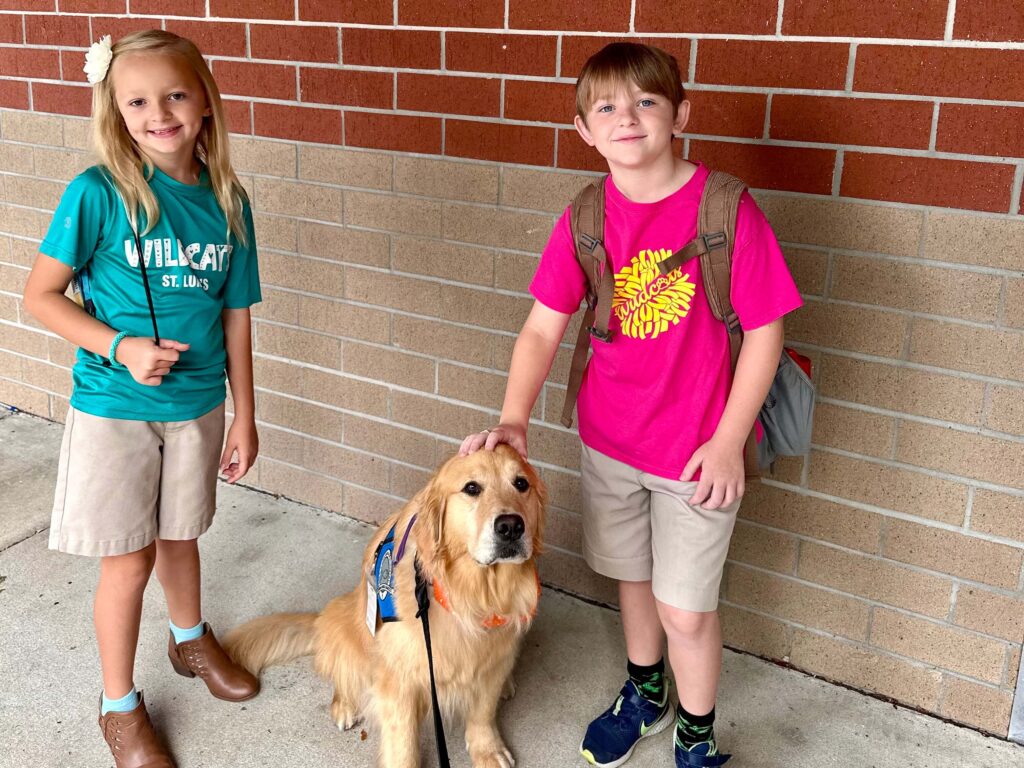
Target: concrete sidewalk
column 265, row 554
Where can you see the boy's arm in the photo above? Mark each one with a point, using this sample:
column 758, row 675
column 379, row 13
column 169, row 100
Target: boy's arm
column 46, row 301
column 532, row 356
column 242, row 438
column 721, row 458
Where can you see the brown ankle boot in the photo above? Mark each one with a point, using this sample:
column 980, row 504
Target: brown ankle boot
column 204, row 657
column 132, row 740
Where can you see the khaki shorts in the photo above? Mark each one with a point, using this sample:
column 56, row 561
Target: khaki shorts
column 638, row 527
column 122, row 483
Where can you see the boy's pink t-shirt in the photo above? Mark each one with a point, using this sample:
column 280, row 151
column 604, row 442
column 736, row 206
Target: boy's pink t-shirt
column 655, row 394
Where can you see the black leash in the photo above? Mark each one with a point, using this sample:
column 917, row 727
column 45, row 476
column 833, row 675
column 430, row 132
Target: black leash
column 145, row 284
column 423, row 606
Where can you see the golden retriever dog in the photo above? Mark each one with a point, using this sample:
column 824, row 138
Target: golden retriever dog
column 476, row 531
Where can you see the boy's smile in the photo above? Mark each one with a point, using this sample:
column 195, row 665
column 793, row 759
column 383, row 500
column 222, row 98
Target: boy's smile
column 632, row 129
column 163, row 105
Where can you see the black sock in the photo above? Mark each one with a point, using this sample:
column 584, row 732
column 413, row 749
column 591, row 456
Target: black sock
column 695, row 729
column 649, row 681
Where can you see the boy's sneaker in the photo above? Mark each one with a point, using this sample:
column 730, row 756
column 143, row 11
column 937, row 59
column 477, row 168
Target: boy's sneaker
column 610, row 738
column 699, row 756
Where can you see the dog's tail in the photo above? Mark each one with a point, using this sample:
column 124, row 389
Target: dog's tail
column 271, row 640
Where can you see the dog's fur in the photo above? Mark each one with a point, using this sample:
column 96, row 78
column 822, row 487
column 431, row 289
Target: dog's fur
column 386, row 676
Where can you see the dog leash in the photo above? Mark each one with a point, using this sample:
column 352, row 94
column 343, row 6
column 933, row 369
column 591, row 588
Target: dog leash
column 423, row 606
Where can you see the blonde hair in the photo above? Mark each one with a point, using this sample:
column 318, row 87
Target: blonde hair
column 623, row 64
column 131, row 169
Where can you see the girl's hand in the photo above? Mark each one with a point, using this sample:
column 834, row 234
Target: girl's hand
column 243, row 444
column 721, row 474
column 513, row 434
column 147, row 362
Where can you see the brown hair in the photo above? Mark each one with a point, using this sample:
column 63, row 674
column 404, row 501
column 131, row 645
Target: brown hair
column 622, row 64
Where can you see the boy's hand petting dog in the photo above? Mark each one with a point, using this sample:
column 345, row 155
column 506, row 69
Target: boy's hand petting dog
column 146, row 361
column 721, row 474
column 513, row 434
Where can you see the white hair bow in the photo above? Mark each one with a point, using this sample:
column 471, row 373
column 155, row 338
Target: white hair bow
column 97, row 60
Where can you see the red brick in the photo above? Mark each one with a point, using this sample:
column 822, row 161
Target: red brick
column 754, row 17
column 299, row 123
column 575, row 154
column 786, row 65
column 31, row 62
column 11, row 28
column 543, row 102
column 14, row 94
column 449, row 95
column 505, row 54
column 213, row 38
column 479, row 13
column 995, row 20
column 27, row 5
column 925, row 19
column 577, row 49
column 178, row 8
column 870, row 122
column 769, row 167
column 119, row 27
column 391, row 48
column 253, row 9
column 726, row 113
column 981, row 130
column 968, row 72
column 279, row 41
column 578, row 15
column 57, row 30
column 501, row 142
column 401, row 133
column 238, row 115
column 242, row 78
column 62, row 99
column 352, row 88
column 90, row 6
column 348, row 11
column 927, row 181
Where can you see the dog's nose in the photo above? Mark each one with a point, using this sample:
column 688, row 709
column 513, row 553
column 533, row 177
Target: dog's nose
column 509, row 527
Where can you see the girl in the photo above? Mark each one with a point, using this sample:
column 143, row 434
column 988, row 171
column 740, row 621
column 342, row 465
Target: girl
column 158, row 239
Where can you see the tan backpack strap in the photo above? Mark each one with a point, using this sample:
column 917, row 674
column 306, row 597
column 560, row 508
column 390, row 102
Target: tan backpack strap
column 586, row 220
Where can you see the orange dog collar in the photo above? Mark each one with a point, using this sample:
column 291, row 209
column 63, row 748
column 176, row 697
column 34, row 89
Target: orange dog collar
column 495, row 620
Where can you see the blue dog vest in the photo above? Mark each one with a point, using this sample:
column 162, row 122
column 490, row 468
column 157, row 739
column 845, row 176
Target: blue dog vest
column 384, row 578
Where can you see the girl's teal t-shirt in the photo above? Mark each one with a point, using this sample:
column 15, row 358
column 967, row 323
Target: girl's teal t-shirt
column 195, row 270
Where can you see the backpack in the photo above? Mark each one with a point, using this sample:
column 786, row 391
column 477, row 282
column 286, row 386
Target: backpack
column 788, row 410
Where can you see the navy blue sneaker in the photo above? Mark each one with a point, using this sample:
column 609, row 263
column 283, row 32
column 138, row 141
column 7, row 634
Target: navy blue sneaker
column 611, row 737
column 702, row 755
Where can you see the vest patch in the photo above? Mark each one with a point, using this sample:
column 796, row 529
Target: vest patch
column 384, row 578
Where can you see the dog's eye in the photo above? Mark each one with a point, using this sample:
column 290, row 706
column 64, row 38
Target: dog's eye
column 521, row 484
column 472, row 489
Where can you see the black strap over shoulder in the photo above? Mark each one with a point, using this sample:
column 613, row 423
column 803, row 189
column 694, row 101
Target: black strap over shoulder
column 423, row 613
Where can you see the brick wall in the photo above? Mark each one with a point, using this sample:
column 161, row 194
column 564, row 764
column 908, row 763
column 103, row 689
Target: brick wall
column 406, row 161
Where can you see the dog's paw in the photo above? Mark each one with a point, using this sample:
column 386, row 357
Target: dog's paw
column 501, row 758
column 346, row 717
column 509, row 689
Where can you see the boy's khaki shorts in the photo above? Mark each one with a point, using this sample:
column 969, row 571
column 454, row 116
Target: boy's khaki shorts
column 638, row 527
column 122, row 483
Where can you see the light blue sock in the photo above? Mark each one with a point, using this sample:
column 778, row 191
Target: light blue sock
column 126, row 703
column 184, row 635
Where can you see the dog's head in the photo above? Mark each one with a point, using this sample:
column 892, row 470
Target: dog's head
column 489, row 505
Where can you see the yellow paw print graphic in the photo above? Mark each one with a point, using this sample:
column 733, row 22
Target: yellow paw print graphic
column 647, row 302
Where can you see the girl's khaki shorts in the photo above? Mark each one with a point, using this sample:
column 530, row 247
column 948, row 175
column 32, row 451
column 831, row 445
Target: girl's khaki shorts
column 639, row 527
column 122, row 483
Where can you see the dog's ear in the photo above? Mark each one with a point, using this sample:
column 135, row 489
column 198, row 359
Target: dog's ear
column 431, row 513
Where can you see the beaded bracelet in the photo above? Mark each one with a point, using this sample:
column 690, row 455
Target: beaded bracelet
column 113, row 347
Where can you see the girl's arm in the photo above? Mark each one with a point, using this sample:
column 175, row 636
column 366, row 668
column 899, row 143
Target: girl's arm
column 242, row 440
column 721, row 458
column 532, row 356
column 46, row 301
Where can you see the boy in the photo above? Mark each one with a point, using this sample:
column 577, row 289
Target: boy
column 661, row 417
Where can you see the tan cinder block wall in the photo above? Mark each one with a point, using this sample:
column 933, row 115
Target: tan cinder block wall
column 395, row 270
